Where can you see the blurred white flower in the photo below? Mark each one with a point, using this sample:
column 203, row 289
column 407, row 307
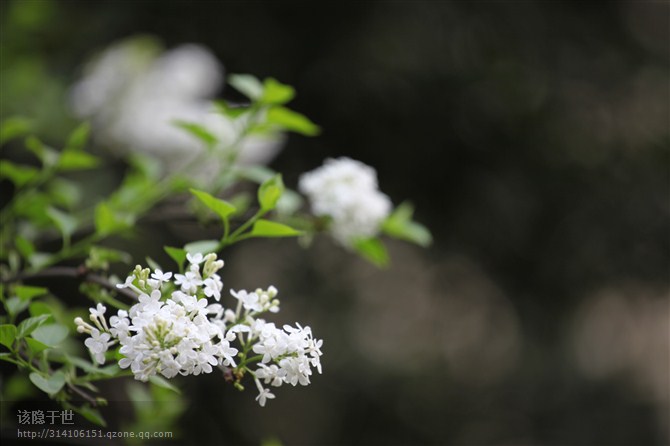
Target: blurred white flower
column 133, row 93
column 346, row 191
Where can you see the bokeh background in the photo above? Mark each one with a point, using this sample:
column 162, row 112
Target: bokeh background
column 533, row 138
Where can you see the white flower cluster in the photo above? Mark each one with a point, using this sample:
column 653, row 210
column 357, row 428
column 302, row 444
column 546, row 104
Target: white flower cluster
column 175, row 330
column 346, row 191
column 133, row 93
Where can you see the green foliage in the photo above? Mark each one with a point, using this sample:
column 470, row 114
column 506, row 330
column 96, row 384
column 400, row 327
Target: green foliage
column 287, row 119
column 372, row 249
column 50, row 384
column 276, row 93
column 7, row 335
column 199, row 132
column 246, row 84
column 221, row 207
column 14, row 128
column 400, row 225
column 269, row 192
column 267, row 228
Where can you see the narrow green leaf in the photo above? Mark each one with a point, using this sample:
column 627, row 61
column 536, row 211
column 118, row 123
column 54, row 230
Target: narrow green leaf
column 26, row 292
column 28, row 325
column 198, row 131
column 220, row 207
column 17, row 174
column 163, row 383
column 13, row 128
column 79, row 136
column 177, row 254
column 293, row 121
column 400, row 225
column 373, row 250
column 276, row 93
column 46, row 155
column 51, row 334
column 7, row 335
column 50, row 385
column 76, row 160
column 267, row 228
column 270, row 191
column 202, row 246
column 246, row 84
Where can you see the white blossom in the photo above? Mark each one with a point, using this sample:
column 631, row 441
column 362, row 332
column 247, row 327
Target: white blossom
column 346, row 191
column 173, row 332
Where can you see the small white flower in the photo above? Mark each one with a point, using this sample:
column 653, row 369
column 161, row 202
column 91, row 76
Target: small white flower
column 160, row 276
column 213, row 286
column 263, row 396
column 98, row 344
column 195, row 259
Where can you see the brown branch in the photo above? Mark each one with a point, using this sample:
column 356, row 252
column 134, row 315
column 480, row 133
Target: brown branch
column 80, row 272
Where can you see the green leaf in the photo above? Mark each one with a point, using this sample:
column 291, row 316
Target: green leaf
column 75, row 160
column 293, row 121
column 202, row 246
column 220, row 207
column 64, row 192
column 39, row 308
column 400, row 225
column 7, row 335
column 66, row 223
column 373, row 250
column 267, row 228
column 25, row 246
column 46, row 155
column 26, row 292
column 177, row 254
column 198, row 131
column 246, row 84
column 16, row 305
column 78, row 137
column 92, row 415
column 276, row 93
column 270, row 191
column 107, row 222
column 50, row 385
column 35, row 346
column 51, row 334
column 17, row 174
column 229, row 110
column 28, row 325
column 13, row 128
column 163, row 383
